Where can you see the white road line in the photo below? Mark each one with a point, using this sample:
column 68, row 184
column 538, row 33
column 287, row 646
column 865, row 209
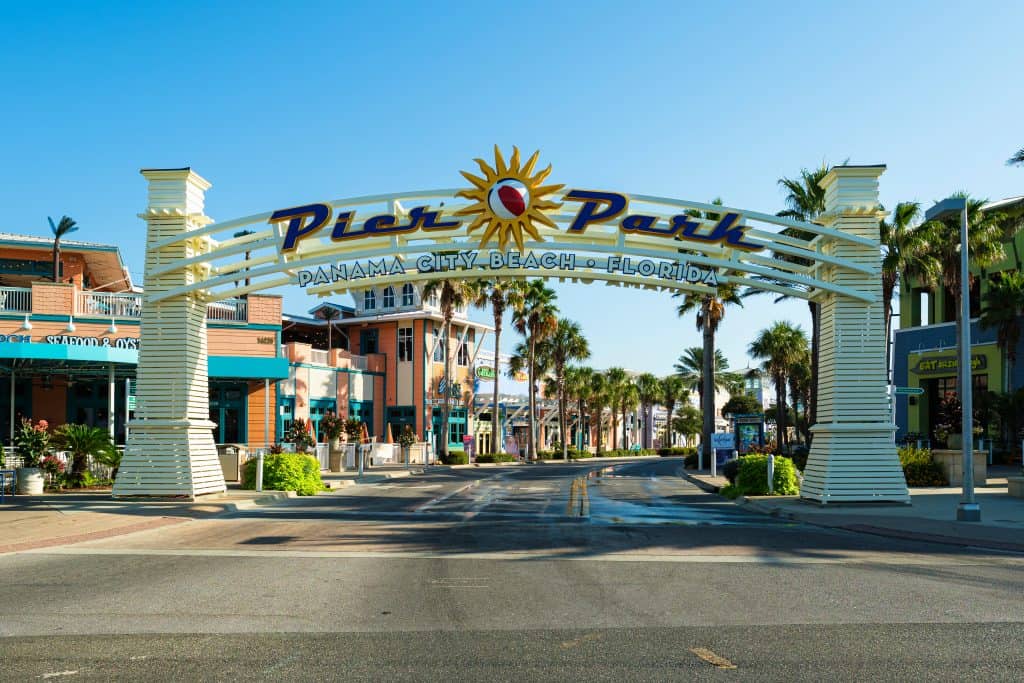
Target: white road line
column 532, row 556
column 440, row 499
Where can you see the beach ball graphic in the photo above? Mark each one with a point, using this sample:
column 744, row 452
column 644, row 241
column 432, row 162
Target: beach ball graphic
column 508, row 199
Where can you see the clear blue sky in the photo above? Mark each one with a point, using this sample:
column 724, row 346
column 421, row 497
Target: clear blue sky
column 280, row 103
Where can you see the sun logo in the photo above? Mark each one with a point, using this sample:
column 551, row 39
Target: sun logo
column 509, row 199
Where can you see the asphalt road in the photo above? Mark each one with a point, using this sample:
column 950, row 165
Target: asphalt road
column 524, row 573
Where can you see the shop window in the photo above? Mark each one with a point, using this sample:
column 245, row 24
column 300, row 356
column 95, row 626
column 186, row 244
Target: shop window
column 369, row 300
column 407, row 294
column 368, row 342
column 405, row 344
column 463, row 356
column 389, row 297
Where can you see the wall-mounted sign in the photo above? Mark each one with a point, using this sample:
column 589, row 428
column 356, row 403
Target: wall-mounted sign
column 16, row 338
column 947, row 365
column 107, row 342
column 485, row 372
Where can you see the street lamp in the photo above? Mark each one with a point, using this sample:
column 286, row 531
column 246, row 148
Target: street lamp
column 968, row 510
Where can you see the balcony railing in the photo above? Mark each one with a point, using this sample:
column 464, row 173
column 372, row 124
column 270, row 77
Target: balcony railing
column 229, row 311
column 15, row 300
column 319, row 356
column 109, row 305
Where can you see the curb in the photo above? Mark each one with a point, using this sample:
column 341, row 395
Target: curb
column 710, row 488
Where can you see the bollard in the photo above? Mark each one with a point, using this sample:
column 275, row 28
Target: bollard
column 714, row 462
column 771, row 474
column 259, row 470
column 360, row 451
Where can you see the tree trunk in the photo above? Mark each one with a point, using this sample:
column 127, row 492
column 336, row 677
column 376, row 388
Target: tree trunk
column 708, row 382
column 495, row 410
column 668, row 427
column 615, row 425
column 815, row 348
column 625, row 442
column 445, row 406
column 563, row 432
column 56, row 259
column 531, row 450
column 780, row 410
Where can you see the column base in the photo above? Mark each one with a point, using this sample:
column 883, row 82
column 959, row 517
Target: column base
column 854, row 463
column 968, row 512
column 169, row 458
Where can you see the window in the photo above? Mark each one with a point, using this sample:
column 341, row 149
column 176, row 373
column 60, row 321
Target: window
column 368, row 342
column 405, row 344
column 432, row 300
column 407, row 298
column 463, row 358
column 369, row 300
column 438, row 346
column 389, row 297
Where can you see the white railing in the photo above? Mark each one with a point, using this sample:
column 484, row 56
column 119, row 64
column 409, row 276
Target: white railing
column 229, row 311
column 320, row 357
column 15, row 300
column 359, row 362
column 109, row 305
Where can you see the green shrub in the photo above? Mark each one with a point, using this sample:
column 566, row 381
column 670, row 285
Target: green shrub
column 730, row 491
column 456, row 458
column 495, row 457
column 798, row 454
column 286, row 472
column 676, row 451
column 920, row 468
column 752, row 479
column 731, row 469
column 690, row 461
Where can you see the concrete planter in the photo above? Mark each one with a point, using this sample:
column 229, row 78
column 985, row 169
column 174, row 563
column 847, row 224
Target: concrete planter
column 951, row 463
column 335, row 455
column 30, row 481
column 1015, row 486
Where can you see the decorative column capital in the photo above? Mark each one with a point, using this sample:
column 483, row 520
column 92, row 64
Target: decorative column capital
column 179, row 191
column 851, row 191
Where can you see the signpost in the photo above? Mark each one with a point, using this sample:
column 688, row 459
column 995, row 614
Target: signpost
column 909, row 391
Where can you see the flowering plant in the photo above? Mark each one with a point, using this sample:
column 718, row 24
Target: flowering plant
column 407, row 438
column 52, row 465
column 331, row 425
column 32, row 441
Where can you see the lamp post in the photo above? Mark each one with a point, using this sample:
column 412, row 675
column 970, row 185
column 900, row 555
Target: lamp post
column 968, row 510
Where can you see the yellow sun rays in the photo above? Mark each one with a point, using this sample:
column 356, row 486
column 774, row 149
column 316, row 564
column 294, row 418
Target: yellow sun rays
column 500, row 228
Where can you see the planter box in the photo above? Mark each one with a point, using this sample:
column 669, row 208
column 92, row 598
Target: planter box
column 951, row 463
column 1015, row 486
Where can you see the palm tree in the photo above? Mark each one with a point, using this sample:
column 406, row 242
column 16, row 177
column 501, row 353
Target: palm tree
column 629, row 397
column 501, row 295
column 1017, row 159
column 65, row 226
column 779, row 347
column 578, row 385
column 649, row 389
column 452, row 294
column 1004, row 303
column 690, row 369
column 536, row 320
column 799, row 379
column 598, row 399
column 710, row 310
column 83, row 441
column 940, row 261
column 616, row 380
column 903, row 248
column 567, row 344
column 672, row 392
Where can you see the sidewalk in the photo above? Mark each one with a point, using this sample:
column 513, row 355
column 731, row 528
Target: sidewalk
column 931, row 516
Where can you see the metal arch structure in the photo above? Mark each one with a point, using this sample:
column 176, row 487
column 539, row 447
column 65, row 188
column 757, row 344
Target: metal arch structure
column 192, row 260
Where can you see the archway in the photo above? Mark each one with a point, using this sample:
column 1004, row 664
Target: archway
column 508, row 223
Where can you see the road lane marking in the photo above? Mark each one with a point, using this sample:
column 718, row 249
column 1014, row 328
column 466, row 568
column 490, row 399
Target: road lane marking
column 532, row 556
column 711, row 658
column 440, row 499
column 566, row 644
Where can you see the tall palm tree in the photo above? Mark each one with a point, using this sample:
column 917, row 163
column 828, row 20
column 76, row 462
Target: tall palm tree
column 710, row 310
column 452, row 294
column 65, row 226
column 649, row 389
column 616, row 380
column 799, row 380
column 578, row 385
column 567, row 344
column 672, row 392
column 502, row 295
column 902, row 251
column 536, row 320
column 597, row 401
column 1004, row 304
column 629, row 398
column 779, row 347
column 1017, row 159
column 940, row 261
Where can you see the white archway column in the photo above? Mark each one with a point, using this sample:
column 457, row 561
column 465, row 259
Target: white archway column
column 170, row 449
column 853, row 458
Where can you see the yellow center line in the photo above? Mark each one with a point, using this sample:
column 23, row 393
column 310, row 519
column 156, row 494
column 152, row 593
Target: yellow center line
column 711, row 658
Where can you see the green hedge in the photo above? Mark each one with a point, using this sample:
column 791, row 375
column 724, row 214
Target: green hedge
column 286, row 472
column 456, row 458
column 752, row 477
column 676, row 451
column 920, row 468
column 496, row 457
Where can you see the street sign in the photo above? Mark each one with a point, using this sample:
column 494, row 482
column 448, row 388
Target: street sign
column 909, row 391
